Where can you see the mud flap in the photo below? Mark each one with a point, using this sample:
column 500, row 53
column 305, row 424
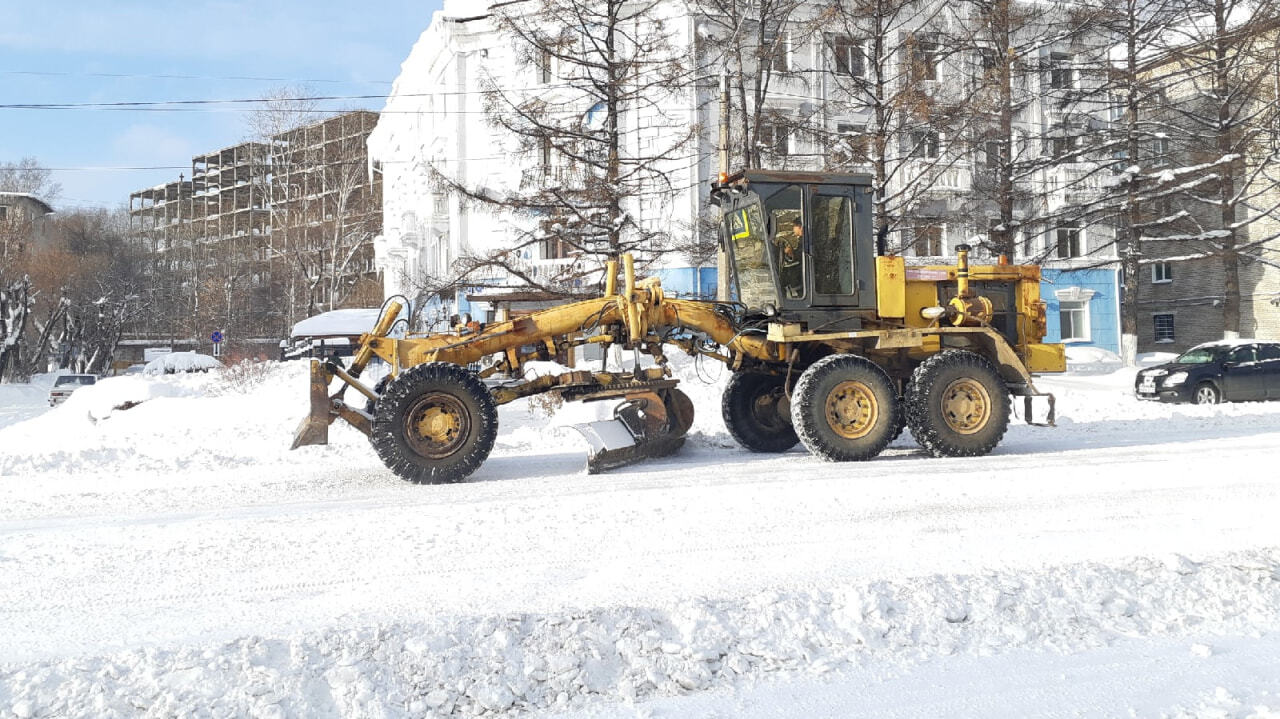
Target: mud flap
column 314, row 428
column 646, row 426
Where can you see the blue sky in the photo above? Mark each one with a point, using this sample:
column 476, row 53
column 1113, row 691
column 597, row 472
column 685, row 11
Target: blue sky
column 59, row 52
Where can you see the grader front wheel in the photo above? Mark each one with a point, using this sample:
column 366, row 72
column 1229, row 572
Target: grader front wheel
column 957, row 405
column 435, row 423
column 844, row 408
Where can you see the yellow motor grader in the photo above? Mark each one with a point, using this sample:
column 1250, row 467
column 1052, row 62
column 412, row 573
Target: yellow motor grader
column 832, row 343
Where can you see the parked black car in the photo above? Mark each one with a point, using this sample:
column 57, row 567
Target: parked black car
column 1227, row 371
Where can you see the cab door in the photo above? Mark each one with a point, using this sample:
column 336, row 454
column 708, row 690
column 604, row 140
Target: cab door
column 836, row 270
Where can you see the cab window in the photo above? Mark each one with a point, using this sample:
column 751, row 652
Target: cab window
column 784, row 208
column 832, row 227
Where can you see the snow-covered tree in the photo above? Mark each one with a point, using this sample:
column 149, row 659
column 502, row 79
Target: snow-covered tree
column 1219, row 85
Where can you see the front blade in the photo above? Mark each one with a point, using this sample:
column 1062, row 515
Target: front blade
column 314, row 428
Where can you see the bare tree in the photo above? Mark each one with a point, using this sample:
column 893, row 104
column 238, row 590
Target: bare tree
column 751, row 42
column 28, row 177
column 1020, row 69
column 898, row 85
column 1220, row 84
column 598, row 125
column 1133, row 145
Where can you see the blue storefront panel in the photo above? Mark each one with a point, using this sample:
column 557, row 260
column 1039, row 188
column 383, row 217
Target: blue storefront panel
column 1099, row 289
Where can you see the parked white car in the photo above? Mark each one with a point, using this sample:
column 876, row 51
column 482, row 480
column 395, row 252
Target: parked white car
column 65, row 384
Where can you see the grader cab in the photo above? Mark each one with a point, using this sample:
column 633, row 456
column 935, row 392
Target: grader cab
column 832, row 342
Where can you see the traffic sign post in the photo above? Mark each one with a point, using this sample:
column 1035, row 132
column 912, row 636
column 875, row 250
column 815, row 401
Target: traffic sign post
column 217, row 338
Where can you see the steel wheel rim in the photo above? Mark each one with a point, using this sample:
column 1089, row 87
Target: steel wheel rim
column 852, row 409
column 765, row 409
column 437, row 425
column 966, row 406
column 1206, row 395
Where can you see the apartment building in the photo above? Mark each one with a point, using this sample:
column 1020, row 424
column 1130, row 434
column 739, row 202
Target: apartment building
column 436, row 124
column 271, row 231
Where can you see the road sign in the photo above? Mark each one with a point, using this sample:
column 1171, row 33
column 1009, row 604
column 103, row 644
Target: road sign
column 216, row 337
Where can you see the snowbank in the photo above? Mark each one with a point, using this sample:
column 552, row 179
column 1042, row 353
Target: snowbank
column 1092, row 360
column 337, row 323
column 181, row 362
column 500, row 665
column 171, row 423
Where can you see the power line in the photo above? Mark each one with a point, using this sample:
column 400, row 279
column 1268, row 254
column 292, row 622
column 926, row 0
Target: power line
column 165, row 76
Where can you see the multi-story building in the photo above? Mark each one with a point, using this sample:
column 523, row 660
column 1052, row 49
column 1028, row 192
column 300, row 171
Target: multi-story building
column 22, row 220
column 1182, row 291
column 267, row 233
column 436, row 124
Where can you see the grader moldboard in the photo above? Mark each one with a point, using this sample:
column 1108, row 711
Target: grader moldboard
column 832, row 343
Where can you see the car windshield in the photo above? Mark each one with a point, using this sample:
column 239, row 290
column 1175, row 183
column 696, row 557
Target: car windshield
column 1199, row 355
column 745, row 229
column 76, row 379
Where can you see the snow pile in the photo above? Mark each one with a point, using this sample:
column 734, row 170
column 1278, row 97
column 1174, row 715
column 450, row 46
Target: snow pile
column 1092, row 360
column 173, row 423
column 496, row 665
column 181, row 362
column 347, row 322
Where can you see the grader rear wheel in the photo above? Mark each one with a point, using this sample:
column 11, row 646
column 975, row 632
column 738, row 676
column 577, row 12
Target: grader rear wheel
column 436, row 423
column 844, row 408
column 756, row 411
column 957, row 405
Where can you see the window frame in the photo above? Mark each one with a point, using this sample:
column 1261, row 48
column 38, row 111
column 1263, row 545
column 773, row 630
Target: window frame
column 1080, row 247
column 1083, row 333
column 923, row 62
column 853, row 53
column 1161, row 273
column 1159, row 337
column 779, row 62
column 1062, row 75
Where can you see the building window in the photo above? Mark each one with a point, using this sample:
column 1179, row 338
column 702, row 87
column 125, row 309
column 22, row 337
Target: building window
column 1161, row 272
column 544, row 156
column 1164, row 327
column 849, row 59
column 988, row 59
column 925, row 144
column 991, row 160
column 924, row 58
column 4, row 212
column 1061, row 75
column 544, row 65
column 926, row 240
column 1073, row 319
column 1069, row 244
column 851, row 144
column 773, row 139
column 776, row 52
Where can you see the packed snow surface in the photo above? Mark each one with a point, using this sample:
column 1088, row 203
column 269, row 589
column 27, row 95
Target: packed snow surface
column 163, row 553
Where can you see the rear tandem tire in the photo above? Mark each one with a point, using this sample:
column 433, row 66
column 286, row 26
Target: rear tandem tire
column 844, row 408
column 754, row 407
column 957, row 405
column 435, row 424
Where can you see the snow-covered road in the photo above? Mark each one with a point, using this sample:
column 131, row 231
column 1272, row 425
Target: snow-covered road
column 1144, row 521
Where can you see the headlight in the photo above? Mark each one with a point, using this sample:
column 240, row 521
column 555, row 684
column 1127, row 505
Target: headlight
column 1175, row 379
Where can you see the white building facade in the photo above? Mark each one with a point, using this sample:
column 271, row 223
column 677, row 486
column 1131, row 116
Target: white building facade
column 435, row 120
